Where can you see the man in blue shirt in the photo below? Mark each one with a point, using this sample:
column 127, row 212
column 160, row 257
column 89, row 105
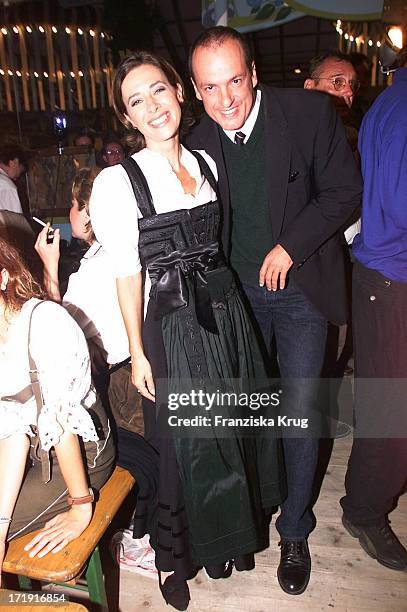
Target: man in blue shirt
column 377, row 469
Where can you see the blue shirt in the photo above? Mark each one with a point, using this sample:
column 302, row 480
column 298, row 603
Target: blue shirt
column 382, row 243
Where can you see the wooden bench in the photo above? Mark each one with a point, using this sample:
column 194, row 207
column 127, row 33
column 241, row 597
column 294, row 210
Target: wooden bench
column 66, row 566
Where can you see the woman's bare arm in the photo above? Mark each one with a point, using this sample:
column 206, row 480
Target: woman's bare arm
column 129, row 291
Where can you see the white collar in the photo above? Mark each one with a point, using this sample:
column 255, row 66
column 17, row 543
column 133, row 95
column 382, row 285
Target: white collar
column 247, row 127
column 92, row 250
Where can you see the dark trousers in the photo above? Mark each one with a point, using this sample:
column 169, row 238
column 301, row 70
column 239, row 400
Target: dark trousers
column 300, row 335
column 377, row 468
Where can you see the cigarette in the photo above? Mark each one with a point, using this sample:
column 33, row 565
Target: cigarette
column 39, row 221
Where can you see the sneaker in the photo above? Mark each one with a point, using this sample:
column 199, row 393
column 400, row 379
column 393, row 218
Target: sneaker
column 133, row 555
column 379, row 542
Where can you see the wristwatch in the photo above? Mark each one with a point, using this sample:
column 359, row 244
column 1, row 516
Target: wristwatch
column 86, row 499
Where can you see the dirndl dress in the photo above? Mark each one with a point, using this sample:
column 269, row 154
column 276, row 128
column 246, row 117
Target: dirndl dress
column 212, row 491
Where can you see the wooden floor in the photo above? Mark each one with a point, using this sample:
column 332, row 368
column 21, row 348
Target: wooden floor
column 343, row 577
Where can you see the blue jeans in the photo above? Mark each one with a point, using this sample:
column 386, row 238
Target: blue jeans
column 300, row 334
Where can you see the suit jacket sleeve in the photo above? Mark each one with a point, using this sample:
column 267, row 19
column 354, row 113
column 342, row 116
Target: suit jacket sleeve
column 336, row 189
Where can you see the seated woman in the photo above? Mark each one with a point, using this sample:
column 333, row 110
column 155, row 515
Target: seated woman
column 91, row 299
column 211, row 492
column 47, row 416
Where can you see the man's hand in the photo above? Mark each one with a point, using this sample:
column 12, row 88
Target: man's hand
column 274, row 270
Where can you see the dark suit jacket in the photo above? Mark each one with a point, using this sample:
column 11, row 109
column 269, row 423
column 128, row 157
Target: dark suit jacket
column 313, row 188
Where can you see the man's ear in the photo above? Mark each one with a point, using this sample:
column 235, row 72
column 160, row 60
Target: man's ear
column 254, row 75
column 198, row 95
column 309, row 84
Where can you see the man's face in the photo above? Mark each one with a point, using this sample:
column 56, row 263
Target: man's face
column 336, row 78
column 224, row 83
column 15, row 169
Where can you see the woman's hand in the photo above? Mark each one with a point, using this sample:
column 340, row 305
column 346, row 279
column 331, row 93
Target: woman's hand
column 60, row 530
column 48, row 252
column 142, row 376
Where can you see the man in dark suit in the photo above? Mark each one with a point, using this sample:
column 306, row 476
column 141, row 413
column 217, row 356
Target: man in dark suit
column 288, row 182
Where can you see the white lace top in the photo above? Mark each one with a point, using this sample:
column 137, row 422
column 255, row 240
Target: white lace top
column 61, row 354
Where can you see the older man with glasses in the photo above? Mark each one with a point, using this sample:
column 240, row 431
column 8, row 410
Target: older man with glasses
column 333, row 73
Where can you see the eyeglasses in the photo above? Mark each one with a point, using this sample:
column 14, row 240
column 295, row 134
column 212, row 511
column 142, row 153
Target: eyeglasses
column 114, row 152
column 339, row 83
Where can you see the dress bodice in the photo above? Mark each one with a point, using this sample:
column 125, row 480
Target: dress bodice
column 178, row 247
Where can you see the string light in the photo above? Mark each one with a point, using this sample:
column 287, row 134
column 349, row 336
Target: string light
column 10, row 72
column 36, row 75
column 102, row 34
column 4, row 31
column 378, row 44
column 72, row 74
column 92, row 32
column 370, row 43
column 357, row 40
column 29, row 30
column 46, row 74
column 80, row 73
column 346, row 36
column 80, row 31
column 18, row 73
column 340, row 31
column 54, row 29
column 297, row 70
column 67, row 30
column 351, row 38
column 1, row 71
column 15, row 29
column 41, row 29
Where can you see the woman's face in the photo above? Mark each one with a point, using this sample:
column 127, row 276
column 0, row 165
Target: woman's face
column 152, row 104
column 79, row 219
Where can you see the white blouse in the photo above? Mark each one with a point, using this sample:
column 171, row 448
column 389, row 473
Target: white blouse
column 91, row 299
column 60, row 351
column 113, row 208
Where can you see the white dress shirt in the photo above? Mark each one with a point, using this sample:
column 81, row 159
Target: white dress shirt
column 59, row 349
column 114, row 212
column 91, row 299
column 248, row 126
column 9, row 199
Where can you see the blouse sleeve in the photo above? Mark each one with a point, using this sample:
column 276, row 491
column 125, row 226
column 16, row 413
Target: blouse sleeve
column 60, row 351
column 114, row 215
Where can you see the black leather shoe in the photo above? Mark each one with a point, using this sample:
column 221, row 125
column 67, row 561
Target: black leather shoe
column 295, row 566
column 379, row 542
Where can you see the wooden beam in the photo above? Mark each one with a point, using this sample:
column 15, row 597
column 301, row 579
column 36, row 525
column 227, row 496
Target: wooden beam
column 282, row 59
column 180, row 26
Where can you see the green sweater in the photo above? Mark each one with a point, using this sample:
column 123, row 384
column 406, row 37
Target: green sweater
column 251, row 224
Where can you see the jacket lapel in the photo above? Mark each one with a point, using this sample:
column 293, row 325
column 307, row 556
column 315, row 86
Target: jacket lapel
column 278, row 155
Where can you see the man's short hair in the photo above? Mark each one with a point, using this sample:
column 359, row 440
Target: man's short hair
column 10, row 151
column 317, row 61
column 215, row 37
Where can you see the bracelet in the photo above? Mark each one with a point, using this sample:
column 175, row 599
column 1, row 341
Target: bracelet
column 4, row 520
column 85, row 499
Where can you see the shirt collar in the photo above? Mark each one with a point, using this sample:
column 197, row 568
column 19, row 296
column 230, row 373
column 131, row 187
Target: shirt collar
column 401, row 74
column 92, row 250
column 248, row 125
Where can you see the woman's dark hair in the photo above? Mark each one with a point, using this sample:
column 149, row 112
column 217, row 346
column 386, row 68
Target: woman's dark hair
column 21, row 284
column 81, row 190
column 135, row 139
